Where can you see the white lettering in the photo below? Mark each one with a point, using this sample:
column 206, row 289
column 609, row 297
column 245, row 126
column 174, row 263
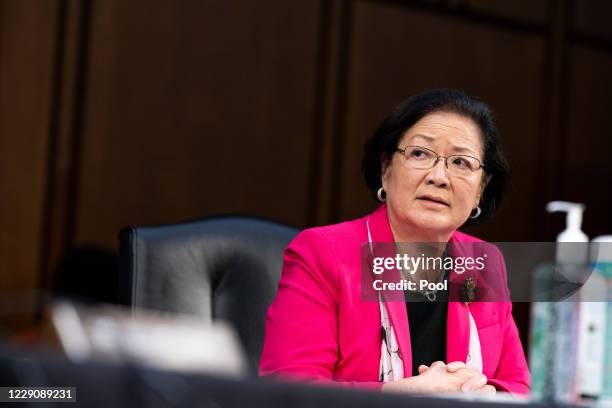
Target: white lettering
column 426, row 285
column 378, row 269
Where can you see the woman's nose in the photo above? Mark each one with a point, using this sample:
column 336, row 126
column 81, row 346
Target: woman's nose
column 438, row 174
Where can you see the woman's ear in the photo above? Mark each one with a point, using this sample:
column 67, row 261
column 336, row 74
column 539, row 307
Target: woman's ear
column 483, row 185
column 485, row 182
column 384, row 171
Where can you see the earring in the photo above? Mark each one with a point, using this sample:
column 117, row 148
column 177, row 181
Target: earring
column 379, row 194
column 478, row 211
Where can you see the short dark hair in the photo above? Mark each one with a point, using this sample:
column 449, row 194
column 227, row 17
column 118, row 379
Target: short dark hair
column 384, row 142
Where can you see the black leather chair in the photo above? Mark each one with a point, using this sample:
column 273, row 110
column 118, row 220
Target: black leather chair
column 224, row 267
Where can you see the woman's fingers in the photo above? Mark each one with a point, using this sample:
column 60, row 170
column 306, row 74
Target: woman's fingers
column 450, row 367
column 437, row 364
column 454, row 366
column 487, row 389
column 474, row 383
column 423, row 368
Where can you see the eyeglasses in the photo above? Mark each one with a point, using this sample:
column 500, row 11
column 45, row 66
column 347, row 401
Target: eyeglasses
column 418, row 157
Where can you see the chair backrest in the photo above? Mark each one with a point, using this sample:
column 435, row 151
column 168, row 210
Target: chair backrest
column 225, row 267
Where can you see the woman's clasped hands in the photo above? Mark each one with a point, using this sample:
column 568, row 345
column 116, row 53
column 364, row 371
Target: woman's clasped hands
column 442, row 378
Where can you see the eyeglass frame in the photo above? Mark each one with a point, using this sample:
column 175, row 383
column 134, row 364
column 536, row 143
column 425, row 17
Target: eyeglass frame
column 438, row 157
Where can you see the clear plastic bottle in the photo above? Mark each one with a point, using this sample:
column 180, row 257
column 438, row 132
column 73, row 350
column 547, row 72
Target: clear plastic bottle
column 555, row 321
column 602, row 266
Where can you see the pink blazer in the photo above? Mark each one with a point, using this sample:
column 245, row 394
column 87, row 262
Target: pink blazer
column 319, row 329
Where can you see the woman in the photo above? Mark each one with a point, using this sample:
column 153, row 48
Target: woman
column 435, row 163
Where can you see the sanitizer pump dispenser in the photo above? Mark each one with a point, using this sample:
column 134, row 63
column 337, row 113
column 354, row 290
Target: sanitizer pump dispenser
column 571, row 253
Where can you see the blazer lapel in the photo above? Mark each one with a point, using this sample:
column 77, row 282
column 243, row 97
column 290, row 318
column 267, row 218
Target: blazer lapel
column 381, row 232
column 399, row 319
column 458, row 320
column 457, row 332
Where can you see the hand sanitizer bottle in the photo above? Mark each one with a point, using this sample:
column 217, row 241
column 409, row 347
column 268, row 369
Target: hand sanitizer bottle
column 592, row 318
column 560, row 329
column 602, row 267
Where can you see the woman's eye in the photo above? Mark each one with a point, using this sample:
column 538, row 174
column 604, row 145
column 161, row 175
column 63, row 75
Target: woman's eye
column 461, row 162
column 418, row 154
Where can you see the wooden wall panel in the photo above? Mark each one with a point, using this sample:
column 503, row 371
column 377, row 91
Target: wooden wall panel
column 589, row 139
column 164, row 111
column 397, row 51
column 27, row 40
column 527, row 11
column 196, row 108
column 592, row 18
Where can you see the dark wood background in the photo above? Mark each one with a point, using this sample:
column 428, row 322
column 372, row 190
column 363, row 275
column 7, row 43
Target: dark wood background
column 116, row 113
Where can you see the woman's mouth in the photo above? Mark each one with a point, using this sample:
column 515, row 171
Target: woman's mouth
column 433, row 201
